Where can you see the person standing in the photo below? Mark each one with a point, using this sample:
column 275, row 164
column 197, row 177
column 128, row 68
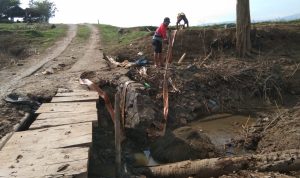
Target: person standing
column 159, row 37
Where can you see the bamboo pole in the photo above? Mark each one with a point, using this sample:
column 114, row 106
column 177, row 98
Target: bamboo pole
column 165, row 84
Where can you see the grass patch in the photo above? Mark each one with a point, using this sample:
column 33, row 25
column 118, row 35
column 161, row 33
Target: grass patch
column 109, row 35
column 83, row 33
column 37, row 36
column 111, row 38
column 232, row 25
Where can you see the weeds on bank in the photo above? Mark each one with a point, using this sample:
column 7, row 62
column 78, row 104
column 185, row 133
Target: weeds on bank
column 38, row 36
column 112, row 36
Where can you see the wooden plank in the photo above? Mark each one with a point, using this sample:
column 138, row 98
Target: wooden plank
column 45, row 120
column 78, row 93
column 76, row 107
column 52, row 137
column 44, row 163
column 64, row 90
column 56, row 115
column 77, row 98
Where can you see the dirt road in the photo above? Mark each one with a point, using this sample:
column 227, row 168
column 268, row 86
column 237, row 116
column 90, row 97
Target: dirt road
column 59, row 67
column 223, row 84
column 11, row 76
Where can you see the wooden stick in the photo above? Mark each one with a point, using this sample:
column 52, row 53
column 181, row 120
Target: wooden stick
column 102, row 94
column 181, row 59
column 207, row 57
column 118, row 136
column 165, row 84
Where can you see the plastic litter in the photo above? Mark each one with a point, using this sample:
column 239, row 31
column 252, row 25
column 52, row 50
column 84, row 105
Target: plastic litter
column 141, row 61
column 147, row 85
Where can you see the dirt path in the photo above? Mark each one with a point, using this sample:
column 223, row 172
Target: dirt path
column 67, row 59
column 92, row 59
column 11, row 76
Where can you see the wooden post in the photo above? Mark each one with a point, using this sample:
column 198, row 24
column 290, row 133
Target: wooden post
column 102, row 113
column 117, row 135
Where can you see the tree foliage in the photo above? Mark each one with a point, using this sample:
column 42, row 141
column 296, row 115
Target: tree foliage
column 46, row 8
column 6, row 4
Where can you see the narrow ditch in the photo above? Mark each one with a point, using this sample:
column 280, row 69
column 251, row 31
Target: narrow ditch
column 205, row 137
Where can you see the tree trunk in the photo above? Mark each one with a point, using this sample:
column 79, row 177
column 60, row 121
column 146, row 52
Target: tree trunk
column 243, row 27
column 278, row 161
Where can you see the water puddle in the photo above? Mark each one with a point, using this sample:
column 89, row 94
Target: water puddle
column 221, row 128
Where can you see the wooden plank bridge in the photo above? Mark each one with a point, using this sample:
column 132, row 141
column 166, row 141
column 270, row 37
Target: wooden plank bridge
column 57, row 143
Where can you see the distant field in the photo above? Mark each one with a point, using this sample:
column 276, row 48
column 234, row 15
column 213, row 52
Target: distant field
column 21, row 39
column 230, row 25
column 112, row 36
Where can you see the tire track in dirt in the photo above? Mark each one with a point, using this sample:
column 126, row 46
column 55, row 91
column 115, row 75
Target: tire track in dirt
column 93, row 57
column 8, row 81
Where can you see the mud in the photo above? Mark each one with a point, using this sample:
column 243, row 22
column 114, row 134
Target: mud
column 264, row 86
column 258, row 86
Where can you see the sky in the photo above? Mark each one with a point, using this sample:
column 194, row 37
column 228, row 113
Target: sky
column 129, row 13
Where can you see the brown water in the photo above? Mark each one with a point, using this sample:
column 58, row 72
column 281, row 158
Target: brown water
column 221, row 128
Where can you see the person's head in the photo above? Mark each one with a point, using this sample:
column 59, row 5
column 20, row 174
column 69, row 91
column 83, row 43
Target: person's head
column 167, row 21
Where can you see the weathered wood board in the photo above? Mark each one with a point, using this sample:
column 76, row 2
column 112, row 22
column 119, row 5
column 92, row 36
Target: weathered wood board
column 75, row 107
column 52, row 137
column 45, row 120
column 75, row 96
column 78, row 93
column 44, row 163
column 57, row 144
column 64, row 90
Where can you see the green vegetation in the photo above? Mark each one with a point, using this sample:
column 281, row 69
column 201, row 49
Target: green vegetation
column 232, row 25
column 295, row 22
column 5, row 5
column 37, row 36
column 45, row 8
column 83, row 33
column 112, row 37
column 109, row 35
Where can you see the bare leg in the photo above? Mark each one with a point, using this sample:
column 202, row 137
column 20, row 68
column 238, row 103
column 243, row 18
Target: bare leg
column 160, row 59
column 156, row 59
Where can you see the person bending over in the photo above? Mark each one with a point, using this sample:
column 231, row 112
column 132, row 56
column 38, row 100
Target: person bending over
column 159, row 37
column 181, row 16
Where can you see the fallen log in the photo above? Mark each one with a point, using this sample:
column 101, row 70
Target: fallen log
column 283, row 161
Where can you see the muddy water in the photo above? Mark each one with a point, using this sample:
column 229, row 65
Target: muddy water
column 221, row 128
